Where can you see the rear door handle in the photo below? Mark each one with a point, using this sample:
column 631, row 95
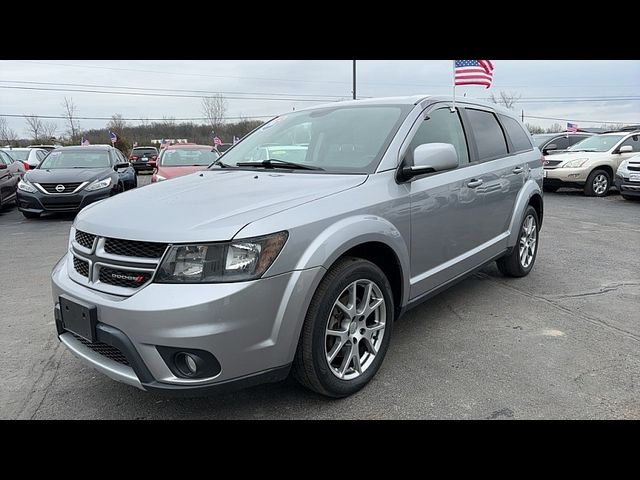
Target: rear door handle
column 475, row 183
column 518, row 170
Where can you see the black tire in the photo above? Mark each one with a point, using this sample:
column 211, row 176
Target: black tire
column 510, row 265
column 590, row 187
column 550, row 188
column 31, row 215
column 310, row 365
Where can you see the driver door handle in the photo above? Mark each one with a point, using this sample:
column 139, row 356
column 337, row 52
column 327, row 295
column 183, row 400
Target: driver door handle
column 518, row 170
column 475, row 183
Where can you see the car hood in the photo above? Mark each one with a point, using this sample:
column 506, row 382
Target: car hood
column 563, row 157
column 207, row 206
column 173, row 172
column 64, row 175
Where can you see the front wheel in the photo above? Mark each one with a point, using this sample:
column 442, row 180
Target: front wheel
column 519, row 262
column 598, row 183
column 347, row 329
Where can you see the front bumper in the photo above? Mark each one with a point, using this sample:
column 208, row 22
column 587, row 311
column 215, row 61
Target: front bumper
column 42, row 203
column 627, row 187
column 561, row 176
column 251, row 328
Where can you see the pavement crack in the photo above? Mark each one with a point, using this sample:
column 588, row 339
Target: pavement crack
column 581, row 316
column 458, row 316
column 46, row 389
column 604, row 289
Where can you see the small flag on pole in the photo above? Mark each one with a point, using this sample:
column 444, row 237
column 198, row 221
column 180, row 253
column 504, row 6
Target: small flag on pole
column 164, row 143
column 572, row 127
column 473, row 72
column 84, row 142
column 135, row 144
column 217, row 141
column 235, row 139
column 114, row 137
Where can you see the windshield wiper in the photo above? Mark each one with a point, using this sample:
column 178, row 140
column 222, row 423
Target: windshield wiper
column 275, row 163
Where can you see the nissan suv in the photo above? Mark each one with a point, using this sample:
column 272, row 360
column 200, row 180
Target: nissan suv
column 591, row 163
column 262, row 267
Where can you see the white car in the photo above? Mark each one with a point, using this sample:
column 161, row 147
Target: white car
column 592, row 163
column 33, row 156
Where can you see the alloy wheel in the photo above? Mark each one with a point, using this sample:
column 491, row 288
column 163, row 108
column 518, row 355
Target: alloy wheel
column 600, row 184
column 528, row 241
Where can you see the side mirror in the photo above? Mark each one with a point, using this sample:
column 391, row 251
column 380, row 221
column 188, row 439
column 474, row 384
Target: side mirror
column 430, row 158
column 3, row 166
column 121, row 165
column 625, row 149
column 551, row 146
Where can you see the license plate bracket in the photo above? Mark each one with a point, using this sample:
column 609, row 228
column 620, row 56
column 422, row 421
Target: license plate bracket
column 78, row 317
column 634, row 177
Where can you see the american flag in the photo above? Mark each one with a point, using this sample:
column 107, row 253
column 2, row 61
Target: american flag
column 572, row 127
column 217, row 141
column 114, row 137
column 164, row 143
column 473, row 72
column 84, row 142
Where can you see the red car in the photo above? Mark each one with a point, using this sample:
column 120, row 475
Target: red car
column 183, row 159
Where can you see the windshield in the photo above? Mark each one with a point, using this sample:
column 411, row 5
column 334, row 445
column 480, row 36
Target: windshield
column 597, row 143
column 19, row 154
column 183, row 158
column 349, row 139
column 540, row 140
column 76, row 159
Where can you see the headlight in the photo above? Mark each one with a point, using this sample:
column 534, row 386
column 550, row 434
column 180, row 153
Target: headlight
column 235, row 261
column 576, row 163
column 159, row 178
column 98, row 184
column 26, row 186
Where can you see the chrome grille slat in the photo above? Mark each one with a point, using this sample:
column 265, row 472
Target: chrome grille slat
column 68, row 187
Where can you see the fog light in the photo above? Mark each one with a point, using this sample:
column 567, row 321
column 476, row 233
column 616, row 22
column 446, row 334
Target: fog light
column 191, row 363
column 187, row 364
column 574, row 175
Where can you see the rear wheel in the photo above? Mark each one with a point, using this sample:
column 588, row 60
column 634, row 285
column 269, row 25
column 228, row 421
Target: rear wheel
column 347, row 330
column 519, row 262
column 598, row 183
column 30, row 215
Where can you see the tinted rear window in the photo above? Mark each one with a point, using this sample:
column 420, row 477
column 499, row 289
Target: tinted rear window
column 488, row 134
column 516, row 133
column 144, row 151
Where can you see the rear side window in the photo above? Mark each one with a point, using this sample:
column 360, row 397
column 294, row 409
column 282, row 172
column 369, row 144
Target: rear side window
column 519, row 138
column 41, row 154
column 488, row 134
column 634, row 141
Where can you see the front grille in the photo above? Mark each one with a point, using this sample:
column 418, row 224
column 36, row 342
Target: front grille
column 68, row 187
column 123, row 278
column 85, row 239
column 103, row 349
column 81, row 266
column 61, row 205
column 551, row 163
column 130, row 248
column 635, row 168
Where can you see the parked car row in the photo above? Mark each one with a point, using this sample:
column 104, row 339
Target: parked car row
column 594, row 163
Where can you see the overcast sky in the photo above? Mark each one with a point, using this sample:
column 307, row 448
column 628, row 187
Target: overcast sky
column 544, row 86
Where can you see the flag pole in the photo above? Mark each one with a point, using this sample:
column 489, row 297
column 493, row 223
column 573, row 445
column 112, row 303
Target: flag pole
column 453, row 108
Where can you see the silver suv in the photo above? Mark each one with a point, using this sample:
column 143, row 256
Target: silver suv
column 254, row 268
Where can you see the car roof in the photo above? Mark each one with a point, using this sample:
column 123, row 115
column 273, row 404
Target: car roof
column 187, row 146
column 150, row 146
column 88, row 147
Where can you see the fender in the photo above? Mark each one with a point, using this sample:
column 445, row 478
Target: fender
column 350, row 232
column 529, row 189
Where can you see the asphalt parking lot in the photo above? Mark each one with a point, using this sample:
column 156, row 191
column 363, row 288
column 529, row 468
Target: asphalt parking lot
column 563, row 342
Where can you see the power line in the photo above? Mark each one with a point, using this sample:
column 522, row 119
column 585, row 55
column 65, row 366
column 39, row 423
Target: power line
column 316, row 100
column 167, row 89
column 576, row 120
column 133, row 119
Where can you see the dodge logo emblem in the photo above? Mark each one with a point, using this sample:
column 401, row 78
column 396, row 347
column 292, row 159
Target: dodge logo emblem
column 59, row 188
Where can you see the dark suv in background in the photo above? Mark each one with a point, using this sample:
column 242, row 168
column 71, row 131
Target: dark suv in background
column 551, row 143
column 143, row 158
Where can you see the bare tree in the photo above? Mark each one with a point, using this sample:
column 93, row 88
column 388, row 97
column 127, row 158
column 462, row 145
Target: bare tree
column 533, row 129
column 555, row 128
column 70, row 113
column 48, row 131
column 117, row 123
column 506, row 99
column 34, row 127
column 214, row 109
column 8, row 136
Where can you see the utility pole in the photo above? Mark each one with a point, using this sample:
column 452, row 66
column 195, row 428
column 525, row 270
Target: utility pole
column 354, row 79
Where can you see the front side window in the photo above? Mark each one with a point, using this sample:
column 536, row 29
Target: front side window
column 441, row 126
column 340, row 139
column 4, row 159
column 634, row 141
column 561, row 143
column 488, row 134
column 76, row 159
column 573, row 139
column 519, row 138
column 597, row 143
